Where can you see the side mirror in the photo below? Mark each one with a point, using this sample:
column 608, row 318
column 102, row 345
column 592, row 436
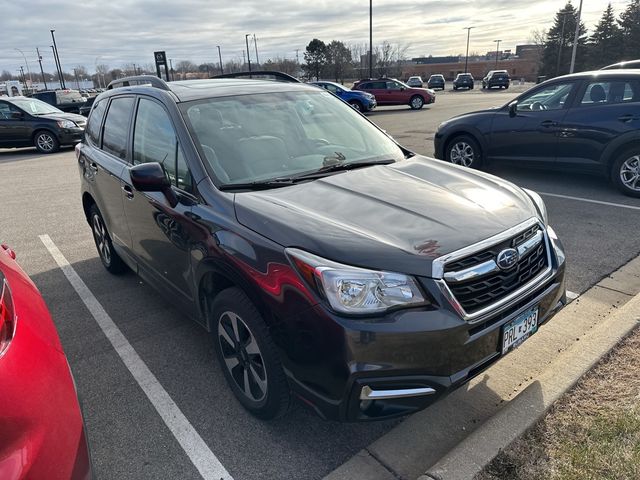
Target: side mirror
column 513, row 109
column 151, row 177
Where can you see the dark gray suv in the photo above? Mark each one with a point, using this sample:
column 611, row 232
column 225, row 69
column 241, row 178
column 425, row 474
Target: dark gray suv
column 325, row 260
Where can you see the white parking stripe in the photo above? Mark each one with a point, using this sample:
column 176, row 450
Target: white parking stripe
column 572, row 295
column 589, row 200
column 194, row 446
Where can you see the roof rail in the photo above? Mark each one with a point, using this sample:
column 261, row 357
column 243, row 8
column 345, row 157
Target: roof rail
column 139, row 80
column 261, row 75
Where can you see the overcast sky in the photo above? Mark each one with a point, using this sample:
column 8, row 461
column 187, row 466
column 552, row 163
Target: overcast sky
column 128, row 31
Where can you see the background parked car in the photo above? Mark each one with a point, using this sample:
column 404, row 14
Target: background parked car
column 86, row 108
column 65, row 100
column 389, row 91
column 436, row 81
column 26, row 122
column 415, row 81
column 42, row 432
column 586, row 122
column 496, row 78
column 463, row 80
column 361, row 101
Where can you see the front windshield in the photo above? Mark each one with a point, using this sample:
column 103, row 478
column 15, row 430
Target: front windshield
column 251, row 138
column 34, row 106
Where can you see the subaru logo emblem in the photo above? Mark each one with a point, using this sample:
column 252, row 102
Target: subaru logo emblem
column 507, row 258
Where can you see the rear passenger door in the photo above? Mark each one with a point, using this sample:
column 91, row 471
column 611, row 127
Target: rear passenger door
column 160, row 232
column 604, row 110
column 379, row 90
column 102, row 161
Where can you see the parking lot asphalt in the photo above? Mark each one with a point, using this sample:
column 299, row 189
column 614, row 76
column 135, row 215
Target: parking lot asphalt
column 39, row 195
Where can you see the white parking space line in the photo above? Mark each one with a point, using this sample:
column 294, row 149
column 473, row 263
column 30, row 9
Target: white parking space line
column 589, row 200
column 194, row 446
column 572, row 295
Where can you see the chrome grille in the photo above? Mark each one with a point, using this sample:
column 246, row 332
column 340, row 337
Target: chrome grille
column 476, row 281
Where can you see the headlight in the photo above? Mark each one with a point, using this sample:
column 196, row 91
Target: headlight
column 355, row 290
column 66, row 124
column 542, row 209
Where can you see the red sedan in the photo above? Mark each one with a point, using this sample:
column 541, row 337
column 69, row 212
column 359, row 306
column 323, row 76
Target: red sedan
column 41, row 428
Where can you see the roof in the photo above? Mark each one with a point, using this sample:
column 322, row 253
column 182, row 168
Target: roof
column 602, row 73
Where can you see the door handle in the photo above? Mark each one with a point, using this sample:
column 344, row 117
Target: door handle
column 627, row 118
column 93, row 167
column 549, row 123
column 128, row 191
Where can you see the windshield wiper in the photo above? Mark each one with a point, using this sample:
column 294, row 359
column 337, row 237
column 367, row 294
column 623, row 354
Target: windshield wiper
column 337, row 167
column 259, row 184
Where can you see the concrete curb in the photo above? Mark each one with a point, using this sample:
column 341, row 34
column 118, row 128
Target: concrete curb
column 470, row 456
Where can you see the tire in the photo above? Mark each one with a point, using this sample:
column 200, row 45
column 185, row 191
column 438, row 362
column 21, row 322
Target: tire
column 506, row 86
column 464, row 150
column 46, row 142
column 356, row 105
column 108, row 256
column 416, row 102
column 471, row 87
column 455, row 88
column 625, row 172
column 268, row 395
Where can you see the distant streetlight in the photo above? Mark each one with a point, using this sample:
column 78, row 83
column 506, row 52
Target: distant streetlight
column 255, row 42
column 246, row 39
column 44, row 80
column 497, row 51
column 575, row 39
column 564, row 21
column 220, row 57
column 466, row 58
column 55, row 52
column 27, row 63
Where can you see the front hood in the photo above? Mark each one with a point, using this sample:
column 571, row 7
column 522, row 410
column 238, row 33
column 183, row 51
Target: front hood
column 79, row 119
column 397, row 217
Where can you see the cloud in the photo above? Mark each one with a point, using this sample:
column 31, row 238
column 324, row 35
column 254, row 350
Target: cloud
column 128, row 31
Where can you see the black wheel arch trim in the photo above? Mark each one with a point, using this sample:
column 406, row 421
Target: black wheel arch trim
column 470, row 131
column 622, row 142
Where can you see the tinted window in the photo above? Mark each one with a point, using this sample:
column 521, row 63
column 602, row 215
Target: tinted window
column 6, row 110
column 552, row 97
column 377, row 85
column 393, row 86
column 116, row 127
column 610, row 92
column 92, row 131
column 155, row 140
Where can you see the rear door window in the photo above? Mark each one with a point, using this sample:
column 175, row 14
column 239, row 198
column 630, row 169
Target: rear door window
column 116, row 127
column 611, row 92
column 94, row 123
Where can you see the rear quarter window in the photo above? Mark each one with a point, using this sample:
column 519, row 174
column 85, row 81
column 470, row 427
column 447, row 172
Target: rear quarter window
column 92, row 132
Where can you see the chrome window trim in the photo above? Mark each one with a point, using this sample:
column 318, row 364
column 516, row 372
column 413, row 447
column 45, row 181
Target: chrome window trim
column 514, row 296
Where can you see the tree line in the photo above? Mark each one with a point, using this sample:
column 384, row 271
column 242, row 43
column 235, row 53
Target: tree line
column 613, row 39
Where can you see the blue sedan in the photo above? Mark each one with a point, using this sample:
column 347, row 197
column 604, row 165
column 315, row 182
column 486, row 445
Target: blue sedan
column 361, row 101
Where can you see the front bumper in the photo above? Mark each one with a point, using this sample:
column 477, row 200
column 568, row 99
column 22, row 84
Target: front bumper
column 70, row 136
column 349, row 366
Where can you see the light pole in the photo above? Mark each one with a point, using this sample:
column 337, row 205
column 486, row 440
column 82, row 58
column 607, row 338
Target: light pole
column 370, row 38
column 97, row 74
column 466, row 58
column 55, row 60
column 255, row 43
column 173, row 77
column 55, row 52
column 44, row 80
column 220, row 57
column 575, row 39
column 246, row 39
column 564, row 21
column 497, row 51
column 26, row 63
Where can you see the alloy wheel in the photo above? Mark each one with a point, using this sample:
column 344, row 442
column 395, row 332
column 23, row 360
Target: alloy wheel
column 100, row 235
column 417, row 102
column 242, row 356
column 462, row 154
column 630, row 173
column 45, row 142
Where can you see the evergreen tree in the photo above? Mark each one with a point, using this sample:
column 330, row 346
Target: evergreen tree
column 605, row 45
column 630, row 25
column 315, row 57
column 556, row 56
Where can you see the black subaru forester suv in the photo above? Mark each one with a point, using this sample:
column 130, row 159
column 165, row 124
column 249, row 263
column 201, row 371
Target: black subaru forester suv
column 325, row 260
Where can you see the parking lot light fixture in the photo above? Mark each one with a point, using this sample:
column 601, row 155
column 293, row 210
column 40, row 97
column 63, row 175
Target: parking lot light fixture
column 466, row 58
column 220, row 57
column 497, row 51
column 246, row 39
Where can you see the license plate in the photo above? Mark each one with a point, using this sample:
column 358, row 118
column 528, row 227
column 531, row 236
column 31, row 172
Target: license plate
column 519, row 329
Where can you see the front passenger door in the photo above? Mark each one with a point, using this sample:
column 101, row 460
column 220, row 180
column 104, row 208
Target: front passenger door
column 160, row 232
column 531, row 136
